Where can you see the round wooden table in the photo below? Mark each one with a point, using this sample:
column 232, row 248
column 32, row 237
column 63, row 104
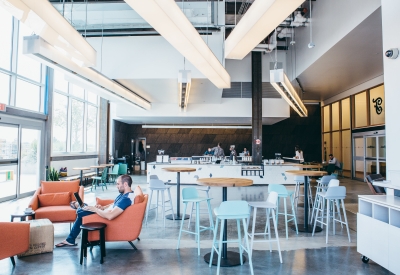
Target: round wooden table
column 312, row 166
column 178, row 170
column 228, row 258
column 307, row 173
column 97, row 168
column 84, row 168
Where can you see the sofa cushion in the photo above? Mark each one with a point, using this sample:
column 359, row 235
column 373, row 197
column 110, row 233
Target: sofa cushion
column 61, row 213
column 54, row 199
column 60, row 186
column 139, row 197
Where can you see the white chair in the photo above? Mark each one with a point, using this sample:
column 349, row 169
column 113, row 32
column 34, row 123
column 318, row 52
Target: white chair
column 334, row 195
column 299, row 180
column 269, row 206
column 159, row 186
column 322, row 185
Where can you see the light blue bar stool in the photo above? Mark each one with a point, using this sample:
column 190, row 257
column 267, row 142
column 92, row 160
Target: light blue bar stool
column 285, row 194
column 190, row 195
column 232, row 210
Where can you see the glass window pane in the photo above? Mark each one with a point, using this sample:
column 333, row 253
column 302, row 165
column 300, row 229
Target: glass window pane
column 4, row 88
column 28, row 96
column 361, row 109
column 92, row 97
column 8, row 142
column 77, row 113
column 27, row 66
column 30, row 160
column 91, row 133
column 377, row 105
column 327, row 117
column 336, row 149
column 346, row 113
column 59, row 82
column 60, row 118
column 359, row 147
column 346, row 152
column 77, row 91
column 382, row 147
column 6, row 35
column 370, row 142
column 335, row 116
column 327, row 145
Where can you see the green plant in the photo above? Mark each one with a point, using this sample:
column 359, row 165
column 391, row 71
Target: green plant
column 52, row 175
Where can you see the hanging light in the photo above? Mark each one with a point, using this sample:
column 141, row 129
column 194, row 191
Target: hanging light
column 184, row 83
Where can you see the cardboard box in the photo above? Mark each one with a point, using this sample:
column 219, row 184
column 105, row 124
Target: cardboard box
column 41, row 238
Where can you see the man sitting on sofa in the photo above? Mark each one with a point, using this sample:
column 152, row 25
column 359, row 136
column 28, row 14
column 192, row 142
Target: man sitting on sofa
column 110, row 212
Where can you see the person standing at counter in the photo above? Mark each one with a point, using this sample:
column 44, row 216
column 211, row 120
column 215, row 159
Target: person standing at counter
column 245, row 152
column 299, row 153
column 233, row 152
column 218, row 151
column 208, row 152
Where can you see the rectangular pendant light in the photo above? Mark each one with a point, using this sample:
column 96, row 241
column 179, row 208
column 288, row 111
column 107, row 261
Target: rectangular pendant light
column 48, row 23
column 281, row 83
column 169, row 21
column 259, row 21
column 184, row 83
column 37, row 48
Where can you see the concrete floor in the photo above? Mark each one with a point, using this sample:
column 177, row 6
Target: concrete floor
column 157, row 254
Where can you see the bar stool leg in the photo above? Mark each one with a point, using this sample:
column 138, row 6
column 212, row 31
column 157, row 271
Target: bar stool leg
column 253, row 229
column 158, row 191
column 148, row 206
column 190, row 216
column 269, row 229
column 284, row 205
column 83, row 245
column 214, row 241
column 180, row 230
column 170, row 202
column 294, row 216
column 345, row 220
column 247, row 244
column 276, row 234
column 102, row 245
column 163, row 206
column 240, row 241
column 198, row 227
column 327, row 218
column 220, row 245
column 210, row 214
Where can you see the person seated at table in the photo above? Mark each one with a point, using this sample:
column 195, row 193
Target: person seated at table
column 333, row 164
column 208, row 152
column 245, row 152
column 109, row 212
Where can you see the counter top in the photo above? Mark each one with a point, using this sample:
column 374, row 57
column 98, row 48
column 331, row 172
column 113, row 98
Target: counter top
column 222, row 163
column 386, row 184
column 392, row 201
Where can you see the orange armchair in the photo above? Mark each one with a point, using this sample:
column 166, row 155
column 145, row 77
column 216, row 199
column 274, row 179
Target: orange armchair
column 14, row 239
column 125, row 227
column 56, row 208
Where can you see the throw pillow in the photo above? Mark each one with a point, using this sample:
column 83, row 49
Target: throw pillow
column 54, row 199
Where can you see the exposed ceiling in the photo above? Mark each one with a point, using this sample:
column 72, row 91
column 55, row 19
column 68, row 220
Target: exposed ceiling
column 354, row 60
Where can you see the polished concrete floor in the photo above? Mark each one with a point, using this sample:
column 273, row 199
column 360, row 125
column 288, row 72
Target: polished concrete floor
column 302, row 253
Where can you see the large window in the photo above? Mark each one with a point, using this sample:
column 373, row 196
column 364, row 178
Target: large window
column 21, row 77
column 74, row 117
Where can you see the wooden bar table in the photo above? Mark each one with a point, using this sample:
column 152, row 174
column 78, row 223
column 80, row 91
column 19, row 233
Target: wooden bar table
column 307, row 173
column 228, row 258
column 178, row 170
column 97, row 168
column 82, row 168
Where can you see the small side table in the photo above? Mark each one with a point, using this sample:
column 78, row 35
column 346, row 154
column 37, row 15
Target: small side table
column 85, row 243
column 22, row 216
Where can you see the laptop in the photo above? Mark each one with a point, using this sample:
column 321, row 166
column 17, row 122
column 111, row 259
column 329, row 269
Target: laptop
column 218, row 161
column 80, row 202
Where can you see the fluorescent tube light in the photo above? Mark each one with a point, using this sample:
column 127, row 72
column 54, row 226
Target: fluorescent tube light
column 168, row 20
column 184, row 83
column 282, row 84
column 48, row 23
column 198, row 126
column 39, row 49
column 260, row 20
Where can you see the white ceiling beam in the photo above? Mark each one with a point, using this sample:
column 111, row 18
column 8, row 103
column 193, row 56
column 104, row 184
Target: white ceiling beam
column 259, row 21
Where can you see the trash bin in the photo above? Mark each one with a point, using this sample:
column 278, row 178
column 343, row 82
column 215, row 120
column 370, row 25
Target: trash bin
column 143, row 165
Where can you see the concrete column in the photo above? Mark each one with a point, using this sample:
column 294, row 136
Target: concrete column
column 256, row 118
column 103, row 131
column 391, row 39
column 48, row 110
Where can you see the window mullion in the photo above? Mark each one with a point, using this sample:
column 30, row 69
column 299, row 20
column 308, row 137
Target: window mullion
column 69, row 125
column 84, row 130
column 14, row 53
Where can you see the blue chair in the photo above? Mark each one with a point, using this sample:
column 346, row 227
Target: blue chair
column 123, row 169
column 190, row 195
column 231, row 210
column 102, row 179
column 114, row 173
column 285, row 194
column 159, row 187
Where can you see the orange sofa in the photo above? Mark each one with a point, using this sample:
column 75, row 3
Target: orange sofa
column 14, row 239
column 51, row 200
column 125, row 227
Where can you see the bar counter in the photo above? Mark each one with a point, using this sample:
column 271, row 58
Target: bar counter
column 260, row 174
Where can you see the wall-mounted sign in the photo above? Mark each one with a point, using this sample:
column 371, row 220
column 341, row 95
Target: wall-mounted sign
column 2, row 107
column 258, row 141
column 378, row 103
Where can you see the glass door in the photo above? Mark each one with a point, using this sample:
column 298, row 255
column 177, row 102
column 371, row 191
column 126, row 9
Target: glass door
column 358, row 158
column 30, row 160
column 8, row 161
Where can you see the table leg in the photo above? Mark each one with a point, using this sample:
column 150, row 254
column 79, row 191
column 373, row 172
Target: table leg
column 97, row 171
column 308, row 228
column 228, row 258
column 178, row 201
column 81, row 178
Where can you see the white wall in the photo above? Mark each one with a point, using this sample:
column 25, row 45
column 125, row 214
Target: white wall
column 391, row 39
column 331, row 21
column 73, row 164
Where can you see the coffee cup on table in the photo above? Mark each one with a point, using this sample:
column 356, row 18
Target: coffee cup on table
column 28, row 210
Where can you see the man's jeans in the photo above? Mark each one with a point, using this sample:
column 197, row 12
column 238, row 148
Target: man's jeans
column 76, row 228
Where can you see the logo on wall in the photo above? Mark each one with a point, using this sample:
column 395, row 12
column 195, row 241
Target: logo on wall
column 258, row 141
column 378, row 103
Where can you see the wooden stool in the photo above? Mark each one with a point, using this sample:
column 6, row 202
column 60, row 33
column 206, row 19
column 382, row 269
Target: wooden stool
column 85, row 243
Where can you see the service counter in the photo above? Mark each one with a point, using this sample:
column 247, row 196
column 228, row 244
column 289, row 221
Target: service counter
column 260, row 174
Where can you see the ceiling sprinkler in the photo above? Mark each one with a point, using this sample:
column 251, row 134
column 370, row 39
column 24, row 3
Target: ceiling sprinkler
column 311, row 45
column 292, row 42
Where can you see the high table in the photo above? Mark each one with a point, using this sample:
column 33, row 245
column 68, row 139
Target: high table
column 97, row 168
column 178, row 170
column 84, row 168
column 228, row 258
column 311, row 166
column 306, row 227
